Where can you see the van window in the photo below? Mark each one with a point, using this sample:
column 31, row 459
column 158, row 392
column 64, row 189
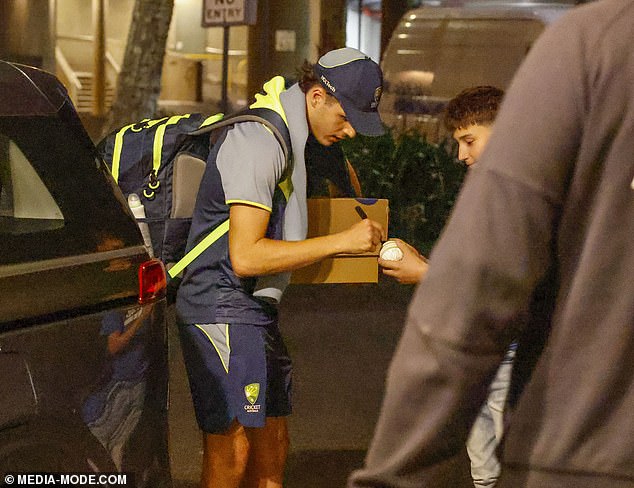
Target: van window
column 26, row 205
column 430, row 60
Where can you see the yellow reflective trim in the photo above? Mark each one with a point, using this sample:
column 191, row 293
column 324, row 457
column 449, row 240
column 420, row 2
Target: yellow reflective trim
column 273, row 88
column 146, row 124
column 212, row 120
column 118, row 142
column 158, row 141
column 252, row 204
column 224, row 365
column 116, row 152
column 153, row 186
column 197, row 250
column 271, row 99
column 286, row 185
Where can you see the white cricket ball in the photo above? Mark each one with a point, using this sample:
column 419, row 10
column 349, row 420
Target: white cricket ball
column 390, row 251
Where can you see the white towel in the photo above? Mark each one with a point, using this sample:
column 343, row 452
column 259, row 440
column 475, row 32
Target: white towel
column 271, row 287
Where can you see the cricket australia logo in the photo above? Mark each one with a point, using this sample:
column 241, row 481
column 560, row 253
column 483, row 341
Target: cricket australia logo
column 252, row 392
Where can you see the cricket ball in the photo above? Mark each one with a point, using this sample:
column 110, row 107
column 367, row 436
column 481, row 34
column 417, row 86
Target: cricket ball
column 390, row 251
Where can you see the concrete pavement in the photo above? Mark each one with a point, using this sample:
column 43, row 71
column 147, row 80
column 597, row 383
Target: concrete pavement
column 341, row 339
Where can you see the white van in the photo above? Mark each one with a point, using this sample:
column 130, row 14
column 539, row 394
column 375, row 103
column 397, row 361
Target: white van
column 436, row 52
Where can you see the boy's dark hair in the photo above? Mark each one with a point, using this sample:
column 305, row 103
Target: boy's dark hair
column 474, row 106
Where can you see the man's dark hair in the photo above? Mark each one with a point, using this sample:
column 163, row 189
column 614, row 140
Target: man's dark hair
column 306, row 76
column 474, row 106
column 307, row 79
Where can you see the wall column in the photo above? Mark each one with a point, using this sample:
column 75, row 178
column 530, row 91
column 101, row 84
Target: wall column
column 391, row 11
column 281, row 21
column 25, row 33
column 333, row 25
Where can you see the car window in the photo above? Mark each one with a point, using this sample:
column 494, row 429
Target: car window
column 26, row 205
column 57, row 198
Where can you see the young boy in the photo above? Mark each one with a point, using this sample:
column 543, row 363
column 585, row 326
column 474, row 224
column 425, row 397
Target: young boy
column 469, row 117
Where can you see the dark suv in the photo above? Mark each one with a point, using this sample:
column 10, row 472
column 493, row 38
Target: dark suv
column 83, row 341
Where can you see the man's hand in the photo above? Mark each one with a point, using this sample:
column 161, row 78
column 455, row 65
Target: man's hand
column 409, row 270
column 364, row 236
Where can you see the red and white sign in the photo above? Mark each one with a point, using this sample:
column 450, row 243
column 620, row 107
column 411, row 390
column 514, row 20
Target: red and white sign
column 228, row 12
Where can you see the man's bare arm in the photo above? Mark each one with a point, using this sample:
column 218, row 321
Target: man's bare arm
column 252, row 254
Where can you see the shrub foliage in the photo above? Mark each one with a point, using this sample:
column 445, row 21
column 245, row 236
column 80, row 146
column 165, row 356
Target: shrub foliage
column 420, row 179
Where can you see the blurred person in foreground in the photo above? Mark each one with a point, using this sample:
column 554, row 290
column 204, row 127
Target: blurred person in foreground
column 548, row 215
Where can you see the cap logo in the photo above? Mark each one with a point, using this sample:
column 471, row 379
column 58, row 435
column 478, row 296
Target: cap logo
column 377, row 97
column 327, row 83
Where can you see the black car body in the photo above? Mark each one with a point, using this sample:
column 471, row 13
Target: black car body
column 83, row 340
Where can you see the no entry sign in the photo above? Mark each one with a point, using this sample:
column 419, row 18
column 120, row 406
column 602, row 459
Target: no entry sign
column 229, row 12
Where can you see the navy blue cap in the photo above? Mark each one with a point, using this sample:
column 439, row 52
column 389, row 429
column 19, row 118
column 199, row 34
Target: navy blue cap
column 357, row 83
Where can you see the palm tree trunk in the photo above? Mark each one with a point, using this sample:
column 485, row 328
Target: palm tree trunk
column 139, row 84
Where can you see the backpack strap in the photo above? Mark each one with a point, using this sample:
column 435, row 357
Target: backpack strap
column 267, row 117
column 272, row 121
column 198, row 249
column 118, row 142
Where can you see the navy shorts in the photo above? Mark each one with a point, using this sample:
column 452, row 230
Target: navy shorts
column 237, row 372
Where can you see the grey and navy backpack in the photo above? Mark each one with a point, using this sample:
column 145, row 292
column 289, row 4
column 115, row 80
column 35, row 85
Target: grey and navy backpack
column 163, row 161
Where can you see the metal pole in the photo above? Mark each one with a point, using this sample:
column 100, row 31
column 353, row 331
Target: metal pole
column 225, row 69
column 49, row 63
column 360, row 12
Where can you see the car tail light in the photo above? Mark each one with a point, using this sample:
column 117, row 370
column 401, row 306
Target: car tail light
column 152, row 281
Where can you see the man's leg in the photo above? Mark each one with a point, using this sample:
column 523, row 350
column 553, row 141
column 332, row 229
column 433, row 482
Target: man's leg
column 225, row 457
column 268, row 452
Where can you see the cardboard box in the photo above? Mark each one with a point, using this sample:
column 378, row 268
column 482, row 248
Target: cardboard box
column 331, row 215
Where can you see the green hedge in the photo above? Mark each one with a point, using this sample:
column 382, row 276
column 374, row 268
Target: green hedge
column 421, row 180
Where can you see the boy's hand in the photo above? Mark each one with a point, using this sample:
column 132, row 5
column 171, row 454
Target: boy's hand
column 364, row 236
column 409, row 270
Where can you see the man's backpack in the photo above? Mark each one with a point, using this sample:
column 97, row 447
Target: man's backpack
column 163, row 161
